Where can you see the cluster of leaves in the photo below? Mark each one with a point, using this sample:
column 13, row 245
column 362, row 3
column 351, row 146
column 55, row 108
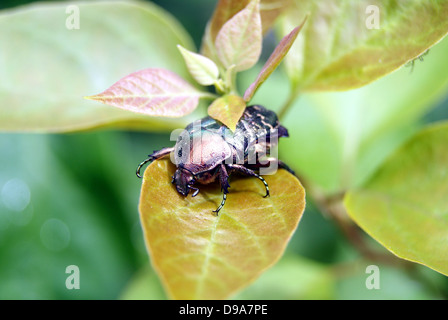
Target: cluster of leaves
column 234, row 48
column 339, row 141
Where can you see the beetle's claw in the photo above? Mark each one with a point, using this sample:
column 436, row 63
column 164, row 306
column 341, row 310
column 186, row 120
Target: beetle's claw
column 196, row 191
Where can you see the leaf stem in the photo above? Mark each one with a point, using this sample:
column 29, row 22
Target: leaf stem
column 209, row 95
column 288, row 104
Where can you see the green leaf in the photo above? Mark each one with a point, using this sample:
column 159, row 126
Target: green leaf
column 292, row 278
column 404, row 205
column 154, row 92
column 199, row 255
column 203, row 70
column 274, row 60
column 240, row 38
column 49, row 69
column 227, row 109
column 339, row 50
column 356, row 130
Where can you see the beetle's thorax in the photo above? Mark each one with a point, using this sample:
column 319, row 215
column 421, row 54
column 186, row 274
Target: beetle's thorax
column 203, row 151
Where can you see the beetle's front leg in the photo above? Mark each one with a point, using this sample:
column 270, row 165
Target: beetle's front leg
column 249, row 172
column 224, row 181
column 154, row 156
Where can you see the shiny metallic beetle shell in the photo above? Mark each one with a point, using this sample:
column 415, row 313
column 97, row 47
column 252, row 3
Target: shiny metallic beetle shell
column 206, row 143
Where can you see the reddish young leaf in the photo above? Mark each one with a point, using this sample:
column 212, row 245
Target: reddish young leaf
column 226, row 9
column 274, row 60
column 155, row 92
column 240, row 39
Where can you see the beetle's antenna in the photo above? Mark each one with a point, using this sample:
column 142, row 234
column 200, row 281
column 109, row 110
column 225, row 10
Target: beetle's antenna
column 141, row 165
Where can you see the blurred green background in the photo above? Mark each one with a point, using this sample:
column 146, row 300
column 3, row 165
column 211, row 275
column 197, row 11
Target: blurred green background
column 71, row 199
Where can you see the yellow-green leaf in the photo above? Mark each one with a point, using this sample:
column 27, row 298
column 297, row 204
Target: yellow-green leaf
column 199, row 255
column 227, row 109
column 404, row 206
column 347, row 44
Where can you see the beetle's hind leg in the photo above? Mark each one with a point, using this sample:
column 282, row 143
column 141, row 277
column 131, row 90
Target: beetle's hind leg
column 154, row 156
column 283, row 165
column 249, row 172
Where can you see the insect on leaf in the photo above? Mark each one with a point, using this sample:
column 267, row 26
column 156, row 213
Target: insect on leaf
column 203, row 70
column 202, row 256
column 155, row 92
column 227, row 109
column 240, row 39
column 274, row 60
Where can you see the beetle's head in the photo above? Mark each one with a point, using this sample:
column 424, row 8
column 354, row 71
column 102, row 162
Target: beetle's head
column 184, row 180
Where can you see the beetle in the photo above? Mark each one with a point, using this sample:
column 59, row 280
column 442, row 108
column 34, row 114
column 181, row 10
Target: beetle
column 208, row 151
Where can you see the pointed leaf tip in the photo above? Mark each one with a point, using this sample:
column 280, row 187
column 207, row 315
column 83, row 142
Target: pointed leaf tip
column 203, row 70
column 274, row 60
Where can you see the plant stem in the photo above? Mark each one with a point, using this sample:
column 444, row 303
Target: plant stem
column 288, row 104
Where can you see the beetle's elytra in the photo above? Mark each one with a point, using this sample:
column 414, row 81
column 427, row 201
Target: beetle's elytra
column 208, row 151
